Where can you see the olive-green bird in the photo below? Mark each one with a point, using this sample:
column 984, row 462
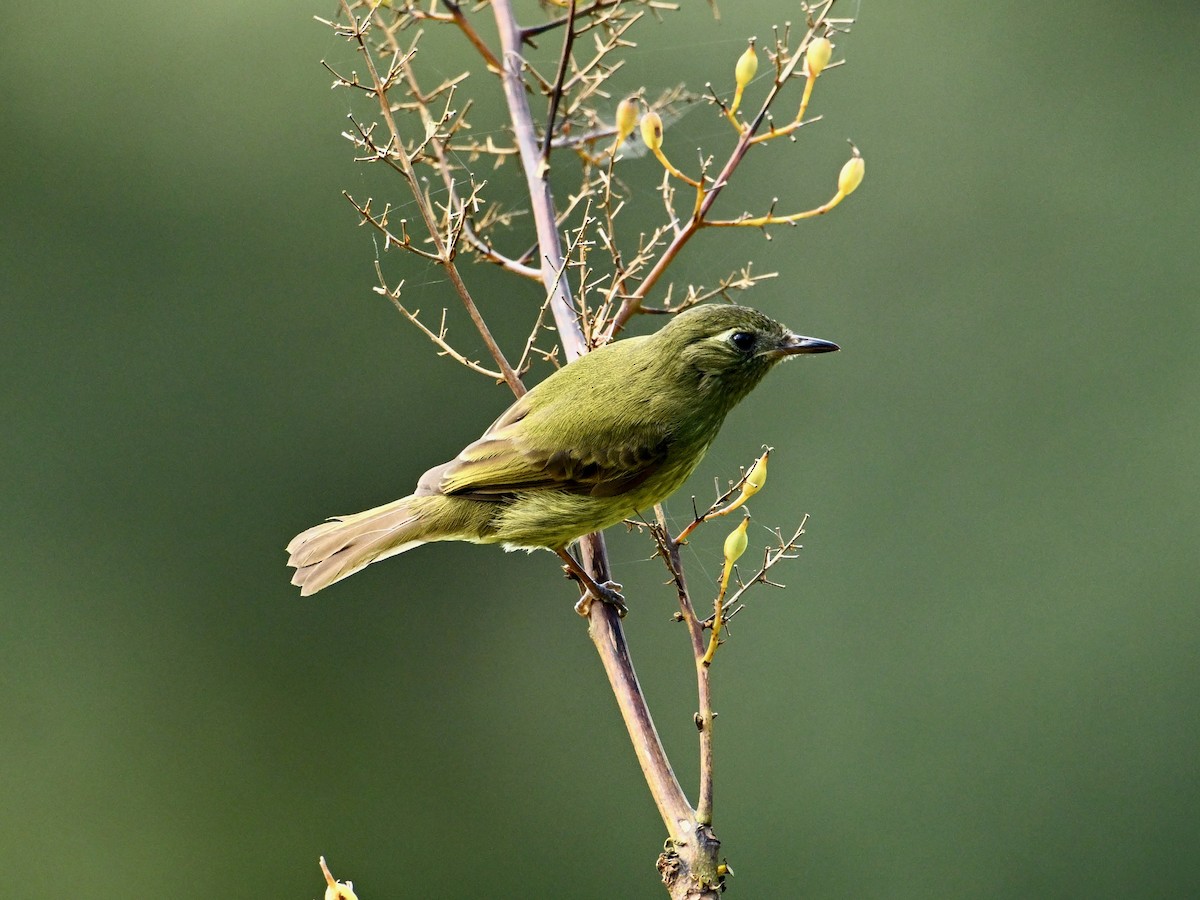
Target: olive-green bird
column 614, row 432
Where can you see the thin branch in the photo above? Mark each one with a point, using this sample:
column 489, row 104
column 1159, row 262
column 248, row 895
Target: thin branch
column 607, row 634
column 472, row 35
column 785, row 549
column 549, row 245
column 380, row 223
column 669, row 550
column 527, row 354
column 604, row 626
column 438, row 337
column 556, row 93
column 438, row 148
column 358, row 33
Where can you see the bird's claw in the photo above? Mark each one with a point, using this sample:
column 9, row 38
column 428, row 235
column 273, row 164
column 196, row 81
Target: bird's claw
column 609, row 592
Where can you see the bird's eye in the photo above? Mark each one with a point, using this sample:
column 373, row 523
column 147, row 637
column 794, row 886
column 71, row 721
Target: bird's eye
column 742, row 340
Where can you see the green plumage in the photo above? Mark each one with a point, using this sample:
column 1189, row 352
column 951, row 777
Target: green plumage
column 614, row 432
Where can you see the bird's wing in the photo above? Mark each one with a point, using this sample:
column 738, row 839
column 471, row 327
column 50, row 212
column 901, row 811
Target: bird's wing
column 602, row 461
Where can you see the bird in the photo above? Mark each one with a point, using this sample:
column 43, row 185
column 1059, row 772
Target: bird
column 613, row 432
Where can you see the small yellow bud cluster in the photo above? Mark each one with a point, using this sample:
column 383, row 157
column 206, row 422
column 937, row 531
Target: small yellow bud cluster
column 751, row 485
column 650, row 126
column 757, row 477
column 735, row 544
column 849, row 179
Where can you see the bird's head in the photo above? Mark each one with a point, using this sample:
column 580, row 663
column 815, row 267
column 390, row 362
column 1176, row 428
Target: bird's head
column 734, row 346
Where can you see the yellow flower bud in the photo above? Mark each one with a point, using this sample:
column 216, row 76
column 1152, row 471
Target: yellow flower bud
column 757, row 477
column 652, row 130
column 851, row 175
column 735, row 544
column 817, row 57
column 627, row 117
column 337, row 890
column 747, row 66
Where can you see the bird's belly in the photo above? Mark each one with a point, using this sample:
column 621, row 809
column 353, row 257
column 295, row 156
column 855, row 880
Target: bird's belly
column 544, row 518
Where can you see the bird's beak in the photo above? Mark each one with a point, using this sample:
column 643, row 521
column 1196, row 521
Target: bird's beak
column 796, row 343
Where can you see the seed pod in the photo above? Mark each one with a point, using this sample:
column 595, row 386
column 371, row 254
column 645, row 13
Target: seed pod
column 851, row 175
column 817, row 57
column 735, row 543
column 747, row 66
column 627, row 117
column 337, row 890
column 757, row 477
column 652, row 130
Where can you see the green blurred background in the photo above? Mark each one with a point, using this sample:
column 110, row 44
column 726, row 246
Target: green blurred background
column 982, row 678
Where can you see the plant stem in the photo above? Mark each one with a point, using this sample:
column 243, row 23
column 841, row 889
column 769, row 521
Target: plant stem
column 556, row 93
column 549, row 244
column 704, row 717
column 607, row 633
column 604, row 625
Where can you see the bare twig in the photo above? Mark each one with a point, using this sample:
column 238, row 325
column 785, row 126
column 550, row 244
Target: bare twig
column 556, row 93
column 472, row 35
column 785, row 548
column 438, row 337
column 669, row 550
column 438, row 148
column 357, row 31
column 549, row 245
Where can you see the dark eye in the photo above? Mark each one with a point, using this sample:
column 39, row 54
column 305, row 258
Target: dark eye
column 742, row 340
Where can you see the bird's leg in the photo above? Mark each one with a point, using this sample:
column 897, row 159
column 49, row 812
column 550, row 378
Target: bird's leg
column 609, row 592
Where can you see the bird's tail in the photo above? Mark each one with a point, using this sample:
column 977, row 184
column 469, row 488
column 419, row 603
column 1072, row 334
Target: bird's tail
column 336, row 549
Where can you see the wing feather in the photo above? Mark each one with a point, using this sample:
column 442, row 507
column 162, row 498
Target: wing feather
column 604, row 458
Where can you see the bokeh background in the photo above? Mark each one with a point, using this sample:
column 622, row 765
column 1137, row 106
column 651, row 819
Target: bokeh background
column 982, row 679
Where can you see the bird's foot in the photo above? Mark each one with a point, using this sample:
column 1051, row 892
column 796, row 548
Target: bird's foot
column 609, row 592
